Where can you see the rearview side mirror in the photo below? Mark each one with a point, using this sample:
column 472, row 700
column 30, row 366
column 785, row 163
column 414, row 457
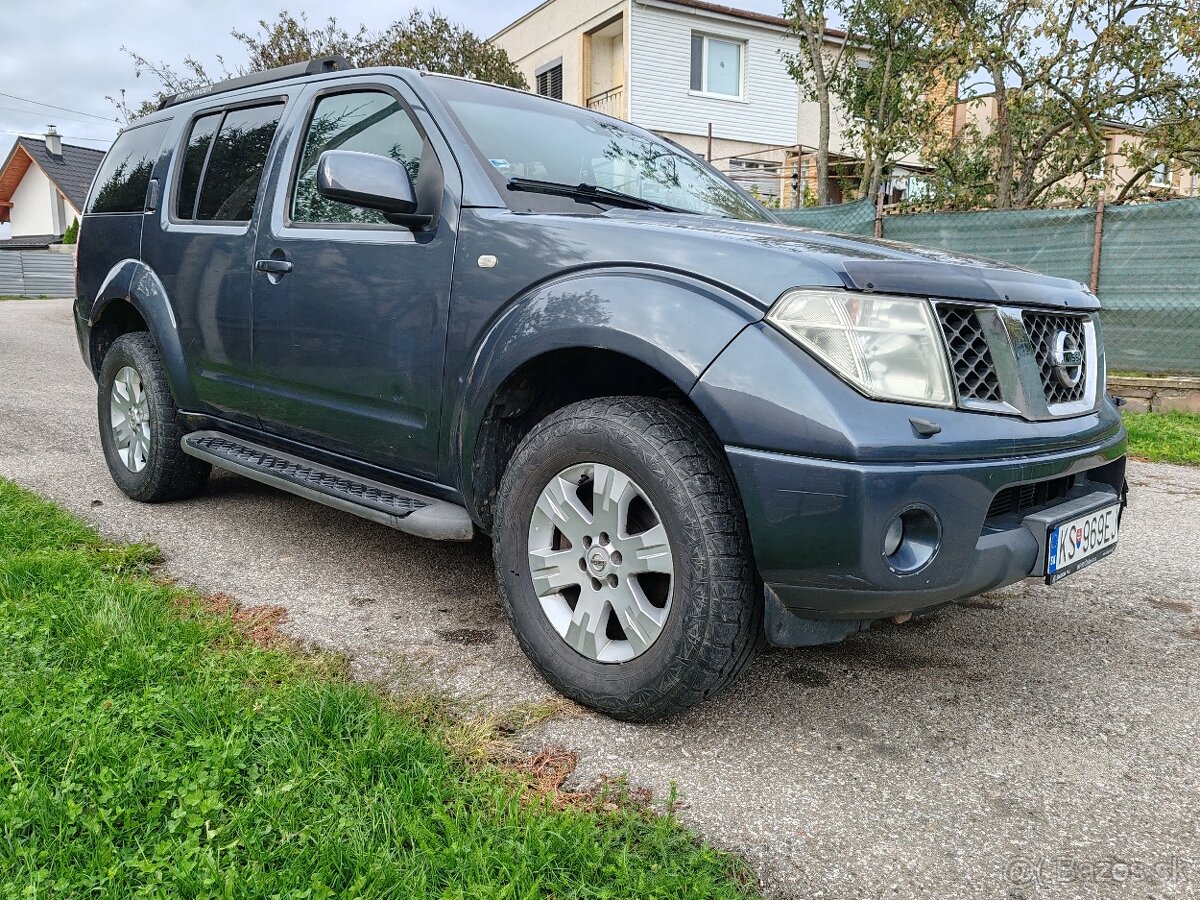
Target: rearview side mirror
column 372, row 182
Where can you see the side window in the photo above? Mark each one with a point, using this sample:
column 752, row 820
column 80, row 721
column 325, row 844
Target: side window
column 195, row 155
column 223, row 165
column 365, row 121
column 124, row 175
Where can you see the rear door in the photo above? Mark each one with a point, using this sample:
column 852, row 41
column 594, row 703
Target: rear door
column 349, row 343
column 203, row 249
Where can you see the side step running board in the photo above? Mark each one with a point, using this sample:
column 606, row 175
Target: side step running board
column 391, row 506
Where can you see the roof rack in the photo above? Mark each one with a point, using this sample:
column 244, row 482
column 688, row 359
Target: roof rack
column 317, row 66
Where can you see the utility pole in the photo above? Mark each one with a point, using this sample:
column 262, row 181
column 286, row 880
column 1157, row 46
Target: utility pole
column 798, row 174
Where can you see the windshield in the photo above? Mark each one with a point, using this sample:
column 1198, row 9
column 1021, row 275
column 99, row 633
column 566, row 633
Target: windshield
column 525, row 136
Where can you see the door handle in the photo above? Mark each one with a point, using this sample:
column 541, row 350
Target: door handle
column 152, row 196
column 273, row 266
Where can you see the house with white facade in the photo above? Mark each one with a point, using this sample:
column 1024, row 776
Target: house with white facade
column 712, row 78
column 43, row 186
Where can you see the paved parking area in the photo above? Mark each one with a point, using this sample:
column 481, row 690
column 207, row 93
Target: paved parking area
column 1037, row 742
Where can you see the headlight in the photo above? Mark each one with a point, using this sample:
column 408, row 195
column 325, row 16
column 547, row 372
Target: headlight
column 887, row 347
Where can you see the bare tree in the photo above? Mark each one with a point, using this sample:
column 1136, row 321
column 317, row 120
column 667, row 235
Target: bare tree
column 818, row 65
column 902, row 87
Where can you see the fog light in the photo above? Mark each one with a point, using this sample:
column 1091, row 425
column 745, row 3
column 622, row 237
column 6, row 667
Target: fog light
column 912, row 540
column 891, row 540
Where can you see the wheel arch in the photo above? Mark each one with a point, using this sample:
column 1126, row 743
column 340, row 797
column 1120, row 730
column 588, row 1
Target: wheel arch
column 612, row 333
column 132, row 298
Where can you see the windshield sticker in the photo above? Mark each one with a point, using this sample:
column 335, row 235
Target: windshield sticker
column 501, row 164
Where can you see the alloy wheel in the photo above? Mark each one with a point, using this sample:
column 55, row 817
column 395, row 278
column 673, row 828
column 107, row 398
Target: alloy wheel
column 129, row 407
column 601, row 562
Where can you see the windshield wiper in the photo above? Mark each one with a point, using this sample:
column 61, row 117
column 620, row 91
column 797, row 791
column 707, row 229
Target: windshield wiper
column 590, row 192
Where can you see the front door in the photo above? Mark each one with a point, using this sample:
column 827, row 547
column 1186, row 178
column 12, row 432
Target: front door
column 349, row 323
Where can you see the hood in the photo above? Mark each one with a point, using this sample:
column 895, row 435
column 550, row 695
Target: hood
column 775, row 257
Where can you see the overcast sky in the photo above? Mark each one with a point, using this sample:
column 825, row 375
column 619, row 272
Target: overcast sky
column 67, row 53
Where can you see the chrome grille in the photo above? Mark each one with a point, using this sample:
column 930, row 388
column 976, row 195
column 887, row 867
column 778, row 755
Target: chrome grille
column 1038, row 364
column 1043, row 328
column 970, row 359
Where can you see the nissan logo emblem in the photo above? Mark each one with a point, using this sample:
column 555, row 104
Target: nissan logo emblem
column 1067, row 359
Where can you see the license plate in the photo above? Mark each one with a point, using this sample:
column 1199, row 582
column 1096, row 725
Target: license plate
column 1072, row 545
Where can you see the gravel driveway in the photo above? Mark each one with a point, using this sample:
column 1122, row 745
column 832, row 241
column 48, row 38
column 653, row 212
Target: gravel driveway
column 1037, row 742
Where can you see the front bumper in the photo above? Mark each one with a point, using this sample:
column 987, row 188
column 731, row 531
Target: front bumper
column 818, row 526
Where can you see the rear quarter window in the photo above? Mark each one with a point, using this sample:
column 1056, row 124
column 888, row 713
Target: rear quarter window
column 124, row 176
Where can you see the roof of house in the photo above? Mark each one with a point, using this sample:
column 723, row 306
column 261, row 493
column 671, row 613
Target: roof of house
column 30, row 242
column 720, row 9
column 72, row 172
column 732, row 11
column 735, row 12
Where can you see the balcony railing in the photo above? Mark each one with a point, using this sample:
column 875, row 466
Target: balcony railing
column 610, row 102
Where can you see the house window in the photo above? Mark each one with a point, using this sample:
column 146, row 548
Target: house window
column 917, row 188
column 549, row 80
column 1098, row 171
column 1160, row 174
column 716, row 65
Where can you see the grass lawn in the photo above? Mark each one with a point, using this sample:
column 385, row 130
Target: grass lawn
column 147, row 748
column 1172, row 437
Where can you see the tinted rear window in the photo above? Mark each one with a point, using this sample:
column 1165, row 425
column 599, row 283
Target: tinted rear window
column 235, row 164
column 124, row 175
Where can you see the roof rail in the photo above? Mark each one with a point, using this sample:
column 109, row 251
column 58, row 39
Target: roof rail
column 317, row 66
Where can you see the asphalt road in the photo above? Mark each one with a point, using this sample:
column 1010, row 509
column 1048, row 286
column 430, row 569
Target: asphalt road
column 1038, row 742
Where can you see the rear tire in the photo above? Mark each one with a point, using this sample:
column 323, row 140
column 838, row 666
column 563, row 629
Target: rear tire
column 663, row 549
column 139, row 425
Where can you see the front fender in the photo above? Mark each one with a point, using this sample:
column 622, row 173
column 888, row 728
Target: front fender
column 134, row 282
column 674, row 324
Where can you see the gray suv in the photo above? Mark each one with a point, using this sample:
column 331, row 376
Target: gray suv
column 454, row 308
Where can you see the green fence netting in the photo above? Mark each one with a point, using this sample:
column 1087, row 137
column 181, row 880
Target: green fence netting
column 847, row 218
column 1150, row 287
column 1056, row 242
column 1149, row 279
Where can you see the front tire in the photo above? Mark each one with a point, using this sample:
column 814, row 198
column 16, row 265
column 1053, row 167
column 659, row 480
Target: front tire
column 624, row 558
column 139, row 425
